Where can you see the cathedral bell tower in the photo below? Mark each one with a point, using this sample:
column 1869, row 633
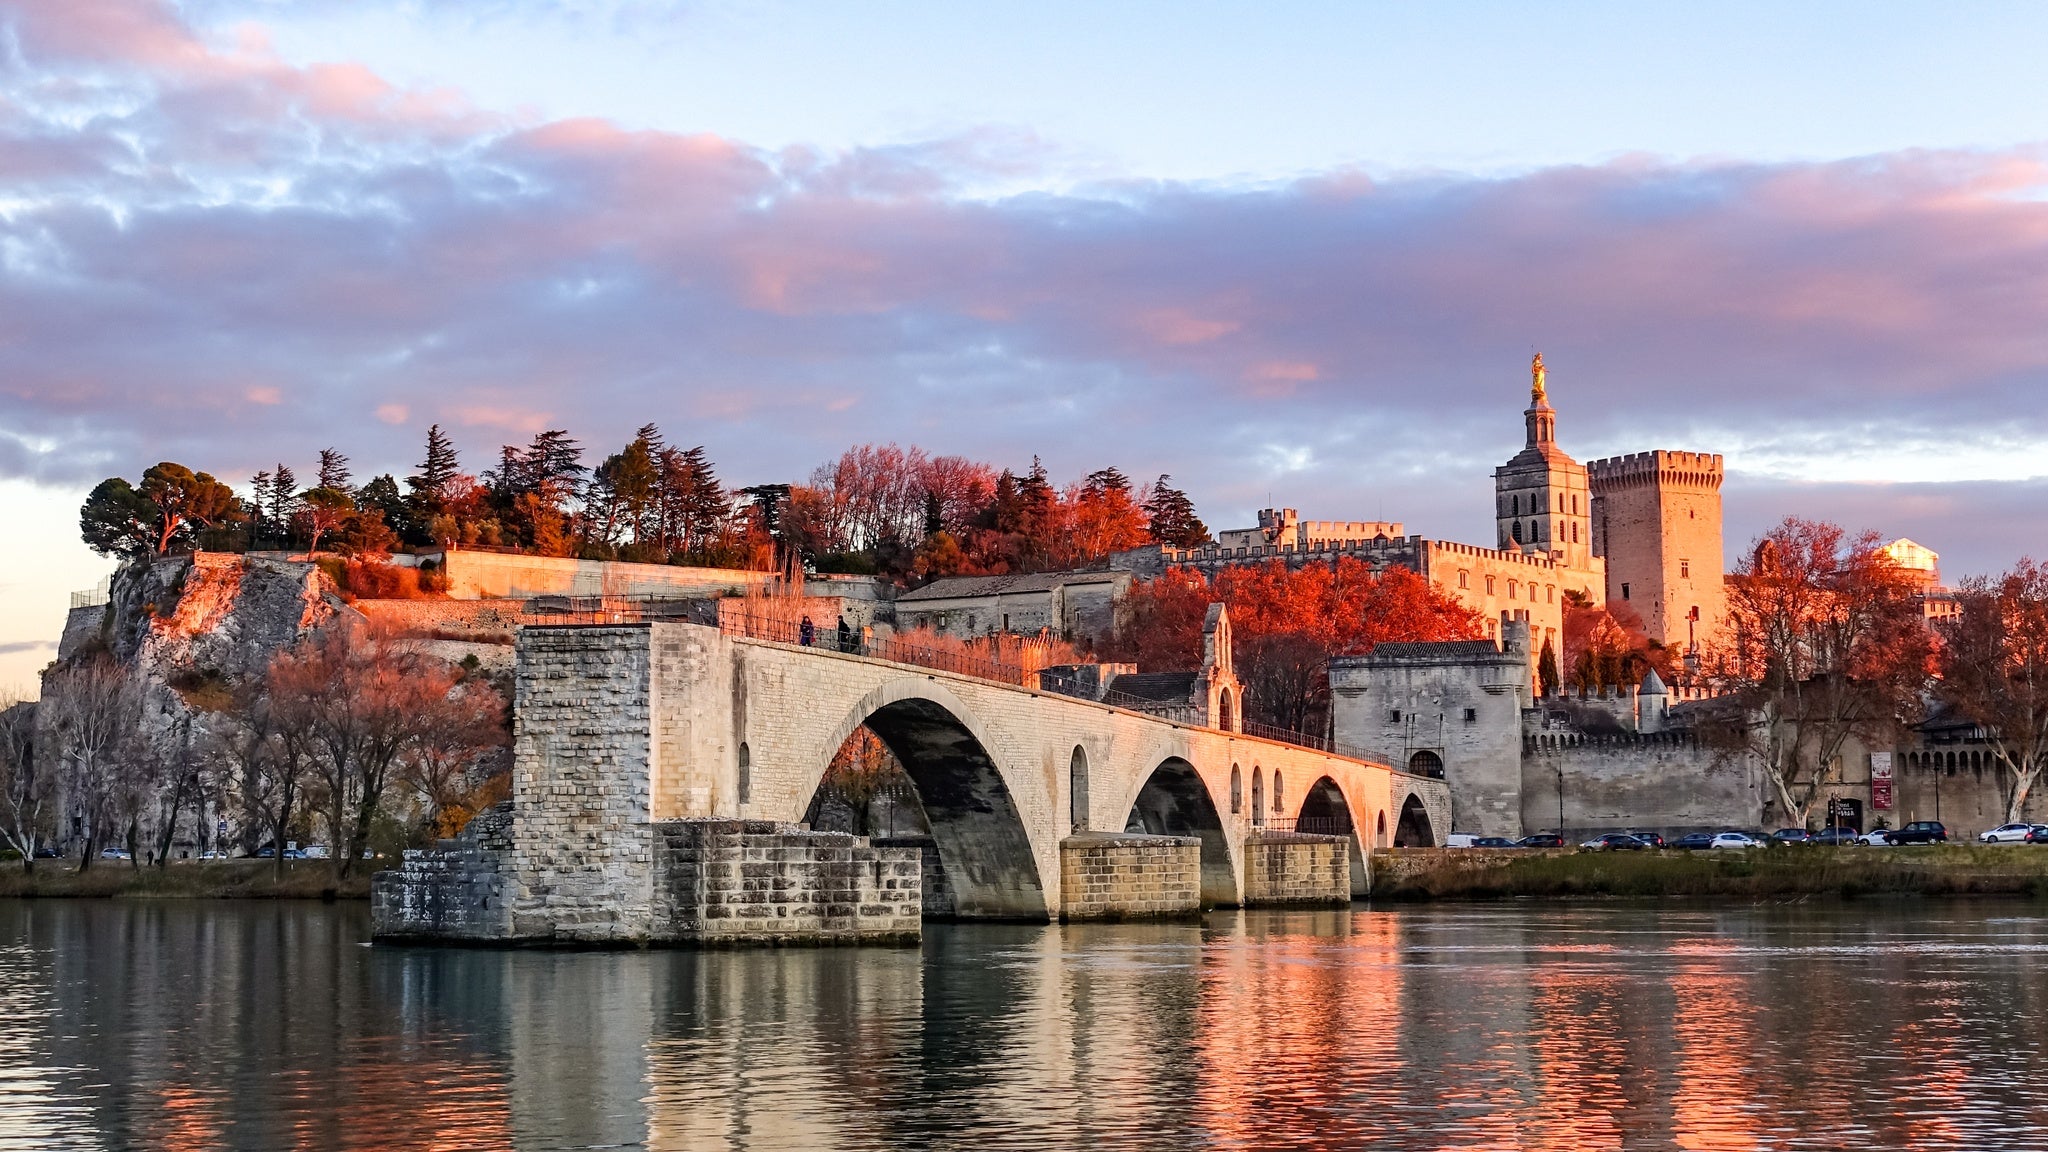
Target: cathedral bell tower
column 1542, row 502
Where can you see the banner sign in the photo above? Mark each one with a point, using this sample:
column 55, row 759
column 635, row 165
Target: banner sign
column 1880, row 780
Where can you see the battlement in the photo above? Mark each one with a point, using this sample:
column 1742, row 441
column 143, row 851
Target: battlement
column 1674, row 469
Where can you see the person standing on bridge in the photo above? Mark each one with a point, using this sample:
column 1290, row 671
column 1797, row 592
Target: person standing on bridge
column 806, row 632
column 845, row 634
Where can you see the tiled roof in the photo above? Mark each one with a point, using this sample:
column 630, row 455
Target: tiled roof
column 962, row 587
column 1158, row 687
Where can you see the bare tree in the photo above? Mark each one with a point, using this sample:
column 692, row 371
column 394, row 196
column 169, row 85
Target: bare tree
column 368, row 698
column 1827, row 640
column 93, row 706
column 454, row 733
column 24, row 784
column 178, row 786
column 1995, row 672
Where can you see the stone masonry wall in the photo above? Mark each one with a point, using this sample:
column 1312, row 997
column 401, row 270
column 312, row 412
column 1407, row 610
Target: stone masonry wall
column 1293, row 868
column 581, row 783
column 938, row 895
column 1105, row 876
column 1666, row 783
column 751, row 882
column 455, row 891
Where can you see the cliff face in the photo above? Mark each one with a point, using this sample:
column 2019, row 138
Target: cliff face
column 214, row 614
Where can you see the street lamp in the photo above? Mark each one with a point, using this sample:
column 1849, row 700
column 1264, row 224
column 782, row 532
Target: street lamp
column 1560, row 801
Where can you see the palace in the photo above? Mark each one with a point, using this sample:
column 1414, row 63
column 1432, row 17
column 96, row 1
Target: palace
column 1642, row 530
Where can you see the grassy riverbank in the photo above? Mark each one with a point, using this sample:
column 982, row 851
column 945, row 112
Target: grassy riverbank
column 1757, row 874
column 187, row 879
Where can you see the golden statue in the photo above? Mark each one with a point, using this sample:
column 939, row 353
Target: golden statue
column 1536, row 392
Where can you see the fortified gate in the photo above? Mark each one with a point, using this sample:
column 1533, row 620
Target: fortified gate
column 660, row 770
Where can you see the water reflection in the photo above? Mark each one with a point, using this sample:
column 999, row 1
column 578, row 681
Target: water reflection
column 193, row 1026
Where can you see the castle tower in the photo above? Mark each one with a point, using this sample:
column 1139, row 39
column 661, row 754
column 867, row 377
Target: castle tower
column 1543, row 503
column 1657, row 520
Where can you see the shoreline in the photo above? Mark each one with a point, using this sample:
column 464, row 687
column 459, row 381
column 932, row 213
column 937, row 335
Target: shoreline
column 1790, row 871
column 1399, row 876
column 243, row 879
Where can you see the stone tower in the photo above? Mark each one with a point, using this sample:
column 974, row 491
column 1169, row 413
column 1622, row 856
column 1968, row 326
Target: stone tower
column 1543, row 503
column 1657, row 520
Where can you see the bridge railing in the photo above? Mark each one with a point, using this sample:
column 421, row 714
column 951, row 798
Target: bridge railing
column 889, row 648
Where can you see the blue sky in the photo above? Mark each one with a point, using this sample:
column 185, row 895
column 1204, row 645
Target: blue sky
column 1288, row 252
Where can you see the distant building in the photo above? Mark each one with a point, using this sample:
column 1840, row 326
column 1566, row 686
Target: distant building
column 1657, row 524
column 1923, row 566
column 1078, row 606
column 1582, row 762
column 1285, row 526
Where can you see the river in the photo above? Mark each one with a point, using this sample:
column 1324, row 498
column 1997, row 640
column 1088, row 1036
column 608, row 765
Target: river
column 199, row 1025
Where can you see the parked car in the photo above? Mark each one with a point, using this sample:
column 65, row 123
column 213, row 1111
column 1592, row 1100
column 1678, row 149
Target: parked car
column 46, row 852
column 1693, row 841
column 1837, row 836
column 1615, row 842
column 115, row 854
column 1541, row 840
column 2039, row 835
column 314, row 852
column 2007, row 834
column 1877, row 838
column 1493, row 842
column 1650, row 838
column 1736, row 840
column 1925, row 832
column 1791, row 836
column 1460, row 840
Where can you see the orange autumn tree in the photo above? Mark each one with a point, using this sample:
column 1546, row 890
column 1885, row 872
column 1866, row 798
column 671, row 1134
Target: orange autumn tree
column 1288, row 623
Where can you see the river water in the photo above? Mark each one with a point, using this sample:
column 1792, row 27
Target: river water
column 199, row 1025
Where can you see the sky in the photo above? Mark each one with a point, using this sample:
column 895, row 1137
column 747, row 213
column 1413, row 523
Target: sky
column 1291, row 254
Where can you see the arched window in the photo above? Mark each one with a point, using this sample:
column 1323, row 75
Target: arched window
column 1516, row 505
column 1236, row 790
column 1276, row 790
column 746, row 774
column 1223, row 711
column 1258, row 797
column 1426, row 763
column 1560, row 501
column 1379, row 831
column 1077, row 790
column 1518, row 531
column 1575, row 533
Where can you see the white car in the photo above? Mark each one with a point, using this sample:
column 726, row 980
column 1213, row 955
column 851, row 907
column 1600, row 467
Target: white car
column 2007, row 834
column 1736, row 840
column 1882, row 838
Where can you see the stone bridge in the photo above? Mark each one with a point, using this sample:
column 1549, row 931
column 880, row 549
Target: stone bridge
column 620, row 728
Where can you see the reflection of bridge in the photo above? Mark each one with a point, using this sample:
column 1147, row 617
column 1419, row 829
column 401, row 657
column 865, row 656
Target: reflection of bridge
column 622, row 728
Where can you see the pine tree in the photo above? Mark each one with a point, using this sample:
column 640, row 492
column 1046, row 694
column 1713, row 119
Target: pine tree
column 429, row 487
column 1547, row 678
column 1173, row 519
column 284, row 498
column 333, row 474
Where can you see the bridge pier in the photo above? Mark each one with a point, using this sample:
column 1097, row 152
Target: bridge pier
column 1130, row 876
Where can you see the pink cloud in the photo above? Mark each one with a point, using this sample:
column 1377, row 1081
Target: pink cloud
column 346, row 238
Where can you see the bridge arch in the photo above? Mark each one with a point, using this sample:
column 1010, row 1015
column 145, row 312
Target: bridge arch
column 1413, row 829
column 984, row 845
column 1326, row 811
column 1174, row 801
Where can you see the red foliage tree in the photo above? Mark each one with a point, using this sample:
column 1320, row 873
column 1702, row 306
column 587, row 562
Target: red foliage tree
column 1288, row 623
